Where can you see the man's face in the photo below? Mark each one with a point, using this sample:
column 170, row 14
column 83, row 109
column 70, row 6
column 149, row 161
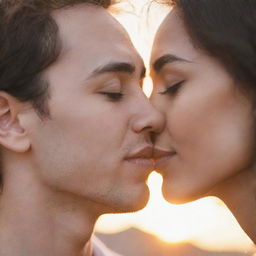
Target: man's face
column 96, row 143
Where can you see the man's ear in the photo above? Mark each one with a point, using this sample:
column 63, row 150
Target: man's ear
column 12, row 135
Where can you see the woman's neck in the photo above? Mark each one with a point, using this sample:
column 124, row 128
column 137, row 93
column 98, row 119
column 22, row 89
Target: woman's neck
column 239, row 194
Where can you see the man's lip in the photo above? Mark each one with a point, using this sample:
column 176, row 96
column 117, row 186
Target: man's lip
column 159, row 153
column 145, row 152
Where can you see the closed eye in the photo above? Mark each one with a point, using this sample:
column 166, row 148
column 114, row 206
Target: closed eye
column 173, row 89
column 113, row 96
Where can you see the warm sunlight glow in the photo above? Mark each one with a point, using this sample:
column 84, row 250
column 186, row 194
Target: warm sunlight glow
column 161, row 221
column 206, row 223
column 147, row 86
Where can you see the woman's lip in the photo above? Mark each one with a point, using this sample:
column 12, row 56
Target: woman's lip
column 160, row 153
column 161, row 157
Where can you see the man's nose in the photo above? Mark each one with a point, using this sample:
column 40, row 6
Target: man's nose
column 148, row 118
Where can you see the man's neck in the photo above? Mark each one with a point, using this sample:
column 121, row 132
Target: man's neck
column 239, row 194
column 34, row 221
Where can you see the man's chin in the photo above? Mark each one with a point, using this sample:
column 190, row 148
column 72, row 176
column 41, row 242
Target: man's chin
column 131, row 203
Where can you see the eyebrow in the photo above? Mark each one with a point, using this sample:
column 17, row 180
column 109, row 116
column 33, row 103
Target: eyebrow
column 165, row 59
column 117, row 67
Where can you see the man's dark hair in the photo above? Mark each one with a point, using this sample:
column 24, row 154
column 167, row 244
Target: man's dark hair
column 225, row 30
column 29, row 43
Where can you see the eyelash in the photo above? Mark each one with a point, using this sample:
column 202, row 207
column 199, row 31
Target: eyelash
column 173, row 89
column 113, row 96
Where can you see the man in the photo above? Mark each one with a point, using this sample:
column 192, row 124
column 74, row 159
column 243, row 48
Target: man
column 75, row 127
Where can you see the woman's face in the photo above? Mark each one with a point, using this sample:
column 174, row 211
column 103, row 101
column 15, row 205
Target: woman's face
column 209, row 130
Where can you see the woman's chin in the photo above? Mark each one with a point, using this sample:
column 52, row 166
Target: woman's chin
column 178, row 194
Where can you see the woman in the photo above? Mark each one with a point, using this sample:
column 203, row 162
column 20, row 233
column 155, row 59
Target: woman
column 204, row 72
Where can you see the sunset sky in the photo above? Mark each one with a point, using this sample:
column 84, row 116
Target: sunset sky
column 207, row 223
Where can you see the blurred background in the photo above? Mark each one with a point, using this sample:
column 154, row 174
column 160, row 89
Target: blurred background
column 201, row 228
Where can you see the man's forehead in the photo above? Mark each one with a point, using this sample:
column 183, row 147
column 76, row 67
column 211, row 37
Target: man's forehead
column 89, row 17
column 93, row 25
column 77, row 9
column 92, row 38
